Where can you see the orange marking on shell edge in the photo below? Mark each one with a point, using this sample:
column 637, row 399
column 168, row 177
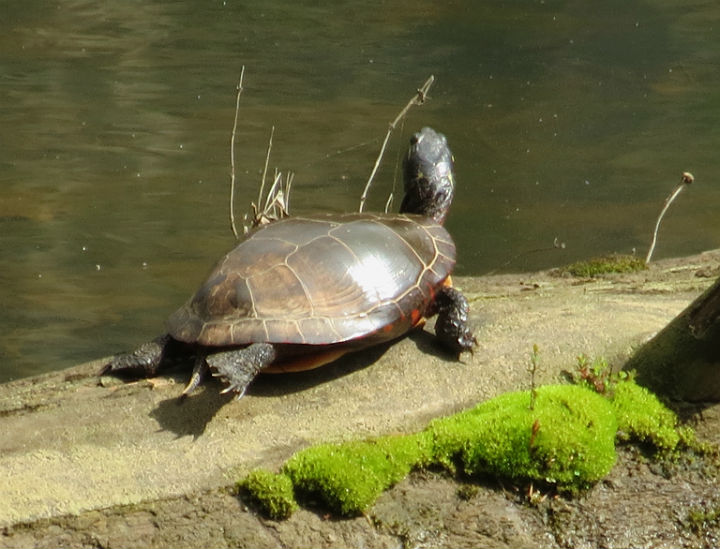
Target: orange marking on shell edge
column 416, row 317
column 448, row 282
column 305, row 362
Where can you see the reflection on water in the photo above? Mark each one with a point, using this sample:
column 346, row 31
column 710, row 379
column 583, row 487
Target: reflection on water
column 115, row 122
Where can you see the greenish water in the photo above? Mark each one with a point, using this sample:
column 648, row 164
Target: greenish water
column 569, row 120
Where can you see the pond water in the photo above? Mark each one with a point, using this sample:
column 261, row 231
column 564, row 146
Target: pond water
column 569, row 124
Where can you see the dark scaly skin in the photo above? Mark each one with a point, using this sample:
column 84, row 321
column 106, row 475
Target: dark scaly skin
column 451, row 326
column 429, row 189
column 429, row 182
column 238, row 367
column 142, row 362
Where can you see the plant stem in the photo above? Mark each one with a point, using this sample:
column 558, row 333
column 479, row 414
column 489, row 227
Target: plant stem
column 232, row 155
column 687, row 179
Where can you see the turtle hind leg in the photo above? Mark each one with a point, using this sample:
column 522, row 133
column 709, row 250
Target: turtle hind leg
column 238, row 367
column 451, row 325
column 142, row 362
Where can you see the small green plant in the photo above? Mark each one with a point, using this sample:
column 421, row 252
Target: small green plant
column 614, row 263
column 595, row 374
column 466, row 492
column 532, row 370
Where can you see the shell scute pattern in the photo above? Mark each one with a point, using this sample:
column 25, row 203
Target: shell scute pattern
column 320, row 281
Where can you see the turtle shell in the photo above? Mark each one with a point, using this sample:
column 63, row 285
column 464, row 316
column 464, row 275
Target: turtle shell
column 319, row 281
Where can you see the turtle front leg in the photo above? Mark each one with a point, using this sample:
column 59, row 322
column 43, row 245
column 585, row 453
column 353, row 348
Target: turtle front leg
column 238, row 367
column 451, row 325
column 142, row 362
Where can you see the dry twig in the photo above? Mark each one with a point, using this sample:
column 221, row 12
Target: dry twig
column 418, row 99
column 232, row 154
column 267, row 161
column 274, row 206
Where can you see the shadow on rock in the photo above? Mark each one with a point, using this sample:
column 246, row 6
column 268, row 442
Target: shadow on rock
column 190, row 415
column 272, row 385
column 428, row 344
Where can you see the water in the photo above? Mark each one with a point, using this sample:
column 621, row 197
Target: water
column 570, row 121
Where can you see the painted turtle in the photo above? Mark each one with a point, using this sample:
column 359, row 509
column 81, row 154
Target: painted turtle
column 300, row 292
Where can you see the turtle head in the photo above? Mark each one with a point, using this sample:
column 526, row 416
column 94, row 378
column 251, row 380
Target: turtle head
column 429, row 180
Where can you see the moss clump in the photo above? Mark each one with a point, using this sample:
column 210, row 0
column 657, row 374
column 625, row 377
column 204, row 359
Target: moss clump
column 349, row 477
column 614, row 263
column 640, row 415
column 643, row 418
column 566, row 439
column 701, row 519
column 564, row 436
column 272, row 493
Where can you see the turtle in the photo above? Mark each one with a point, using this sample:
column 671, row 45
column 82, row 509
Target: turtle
column 300, row 292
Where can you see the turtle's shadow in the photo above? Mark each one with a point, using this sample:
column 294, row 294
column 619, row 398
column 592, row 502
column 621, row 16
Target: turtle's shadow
column 428, row 344
column 273, row 385
column 191, row 415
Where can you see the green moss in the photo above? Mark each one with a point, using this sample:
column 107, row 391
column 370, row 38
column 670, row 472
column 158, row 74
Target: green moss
column 614, row 263
column 349, row 477
column 272, row 493
column 564, row 436
column 567, row 439
column 466, row 492
column 700, row 519
column 640, row 415
column 643, row 418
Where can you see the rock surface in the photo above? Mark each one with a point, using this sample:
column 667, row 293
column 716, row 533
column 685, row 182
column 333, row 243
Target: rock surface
column 86, row 461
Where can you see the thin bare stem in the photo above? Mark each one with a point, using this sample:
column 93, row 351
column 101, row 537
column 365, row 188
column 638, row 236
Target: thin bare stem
column 273, row 192
column 418, row 99
column 267, row 161
column 389, row 202
column 533, row 370
column 288, row 184
column 687, row 179
column 232, row 154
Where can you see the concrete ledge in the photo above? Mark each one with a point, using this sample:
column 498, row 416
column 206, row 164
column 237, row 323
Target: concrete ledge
column 73, row 442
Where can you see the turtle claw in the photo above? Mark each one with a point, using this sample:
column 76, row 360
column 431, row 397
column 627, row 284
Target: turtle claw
column 237, row 380
column 472, row 349
column 198, row 373
column 469, row 342
column 230, row 385
column 238, row 367
column 239, row 391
